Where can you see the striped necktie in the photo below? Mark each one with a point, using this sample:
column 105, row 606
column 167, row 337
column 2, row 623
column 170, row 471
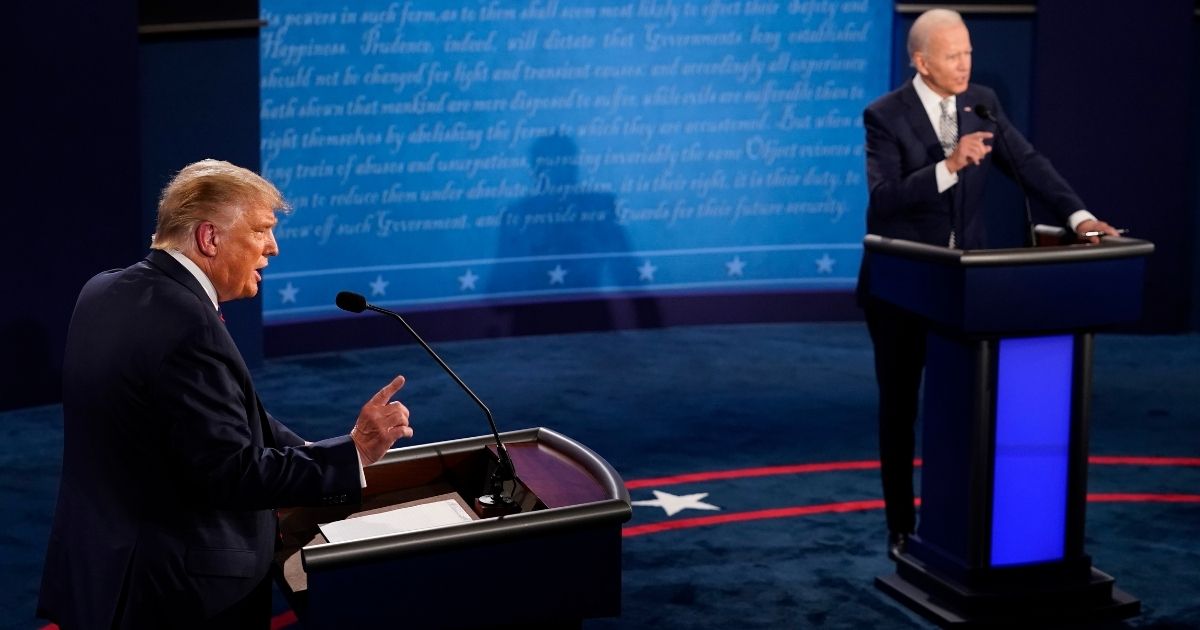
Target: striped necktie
column 948, row 127
column 948, row 136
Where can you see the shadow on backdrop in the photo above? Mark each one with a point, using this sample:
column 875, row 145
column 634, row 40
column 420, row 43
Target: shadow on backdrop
column 564, row 218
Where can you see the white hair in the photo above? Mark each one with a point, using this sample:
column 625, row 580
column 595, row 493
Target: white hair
column 926, row 24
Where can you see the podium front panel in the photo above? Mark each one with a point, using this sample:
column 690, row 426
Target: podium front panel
column 1052, row 297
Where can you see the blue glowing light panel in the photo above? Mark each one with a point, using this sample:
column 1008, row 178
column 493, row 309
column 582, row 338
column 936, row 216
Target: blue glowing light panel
column 444, row 154
column 1033, row 438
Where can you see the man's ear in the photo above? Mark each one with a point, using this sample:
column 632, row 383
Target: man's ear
column 206, row 239
column 918, row 62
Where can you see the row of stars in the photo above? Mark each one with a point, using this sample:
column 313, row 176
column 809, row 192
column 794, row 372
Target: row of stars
column 558, row 275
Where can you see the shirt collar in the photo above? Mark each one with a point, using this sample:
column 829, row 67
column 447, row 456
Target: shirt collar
column 195, row 270
column 930, row 100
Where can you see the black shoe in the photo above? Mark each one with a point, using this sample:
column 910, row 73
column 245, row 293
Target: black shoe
column 897, row 541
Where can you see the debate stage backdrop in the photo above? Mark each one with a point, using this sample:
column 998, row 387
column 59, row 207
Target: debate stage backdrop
column 108, row 101
column 461, row 154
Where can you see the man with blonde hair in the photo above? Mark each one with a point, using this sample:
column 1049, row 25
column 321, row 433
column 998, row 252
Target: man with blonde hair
column 171, row 464
column 929, row 151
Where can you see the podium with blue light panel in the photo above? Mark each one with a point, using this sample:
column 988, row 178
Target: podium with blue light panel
column 1005, row 425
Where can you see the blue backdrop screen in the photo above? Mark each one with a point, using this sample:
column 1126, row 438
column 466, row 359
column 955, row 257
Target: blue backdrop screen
column 442, row 154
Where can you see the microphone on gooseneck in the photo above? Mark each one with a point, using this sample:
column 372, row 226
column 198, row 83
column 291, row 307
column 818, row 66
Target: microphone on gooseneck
column 494, row 501
column 984, row 112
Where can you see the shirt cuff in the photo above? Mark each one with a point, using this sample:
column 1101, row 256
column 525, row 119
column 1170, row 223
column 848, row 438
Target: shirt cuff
column 362, row 475
column 1079, row 216
column 945, row 179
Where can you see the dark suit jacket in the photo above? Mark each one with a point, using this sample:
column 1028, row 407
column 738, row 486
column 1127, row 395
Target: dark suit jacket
column 170, row 464
column 903, row 149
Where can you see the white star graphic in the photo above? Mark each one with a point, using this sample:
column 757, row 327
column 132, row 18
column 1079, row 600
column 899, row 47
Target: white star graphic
column 557, row 275
column 735, row 266
column 379, row 287
column 673, row 504
column 466, row 282
column 646, row 271
column 825, row 263
column 288, row 293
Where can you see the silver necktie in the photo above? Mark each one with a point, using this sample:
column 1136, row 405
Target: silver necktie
column 947, row 127
column 948, row 136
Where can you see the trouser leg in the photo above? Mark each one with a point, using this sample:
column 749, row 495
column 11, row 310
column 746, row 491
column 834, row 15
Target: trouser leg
column 899, row 341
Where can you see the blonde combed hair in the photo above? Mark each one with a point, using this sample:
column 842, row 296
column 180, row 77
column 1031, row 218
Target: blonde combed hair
column 209, row 190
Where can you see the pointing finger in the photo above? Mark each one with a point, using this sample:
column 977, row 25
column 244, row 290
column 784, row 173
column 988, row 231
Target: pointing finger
column 384, row 395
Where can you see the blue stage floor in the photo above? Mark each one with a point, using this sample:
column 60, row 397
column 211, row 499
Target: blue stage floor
column 786, row 532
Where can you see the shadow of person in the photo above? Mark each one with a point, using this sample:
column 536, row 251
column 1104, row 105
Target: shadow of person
column 562, row 218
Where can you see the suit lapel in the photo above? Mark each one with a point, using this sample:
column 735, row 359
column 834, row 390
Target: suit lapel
column 171, row 267
column 968, row 120
column 971, row 180
column 915, row 114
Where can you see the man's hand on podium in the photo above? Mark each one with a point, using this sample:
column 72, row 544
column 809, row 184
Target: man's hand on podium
column 1091, row 230
column 381, row 422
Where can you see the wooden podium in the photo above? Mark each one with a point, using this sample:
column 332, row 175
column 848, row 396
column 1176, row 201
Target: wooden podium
column 553, row 564
column 1005, row 426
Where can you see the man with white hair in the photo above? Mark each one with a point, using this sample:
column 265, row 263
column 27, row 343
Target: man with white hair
column 928, row 155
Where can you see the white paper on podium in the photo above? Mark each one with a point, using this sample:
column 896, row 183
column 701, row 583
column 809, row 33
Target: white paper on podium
column 406, row 519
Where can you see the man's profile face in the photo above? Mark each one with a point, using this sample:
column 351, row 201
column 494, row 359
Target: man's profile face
column 242, row 251
column 945, row 64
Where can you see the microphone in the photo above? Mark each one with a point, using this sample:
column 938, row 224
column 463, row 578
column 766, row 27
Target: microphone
column 494, row 502
column 984, row 112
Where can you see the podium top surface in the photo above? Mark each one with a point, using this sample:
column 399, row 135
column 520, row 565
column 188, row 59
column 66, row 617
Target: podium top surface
column 578, row 487
column 1107, row 249
column 997, row 292
column 558, row 559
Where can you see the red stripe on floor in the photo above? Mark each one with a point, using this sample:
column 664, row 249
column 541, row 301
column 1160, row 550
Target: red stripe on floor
column 1129, row 497
column 802, row 469
column 859, row 506
column 767, row 471
column 283, row 620
column 756, row 515
column 1116, row 460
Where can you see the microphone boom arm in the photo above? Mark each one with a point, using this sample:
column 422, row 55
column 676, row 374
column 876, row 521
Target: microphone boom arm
column 494, row 501
column 984, row 112
column 486, row 411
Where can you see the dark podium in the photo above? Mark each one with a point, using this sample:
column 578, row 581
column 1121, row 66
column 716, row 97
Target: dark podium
column 1005, row 426
column 553, row 564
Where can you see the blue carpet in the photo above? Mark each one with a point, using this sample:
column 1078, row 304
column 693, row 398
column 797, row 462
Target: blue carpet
column 721, row 398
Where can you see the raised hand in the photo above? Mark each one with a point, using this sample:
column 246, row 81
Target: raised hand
column 971, row 149
column 381, row 422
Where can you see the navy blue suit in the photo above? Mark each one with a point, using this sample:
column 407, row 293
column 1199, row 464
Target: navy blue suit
column 171, row 465
column 902, row 153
